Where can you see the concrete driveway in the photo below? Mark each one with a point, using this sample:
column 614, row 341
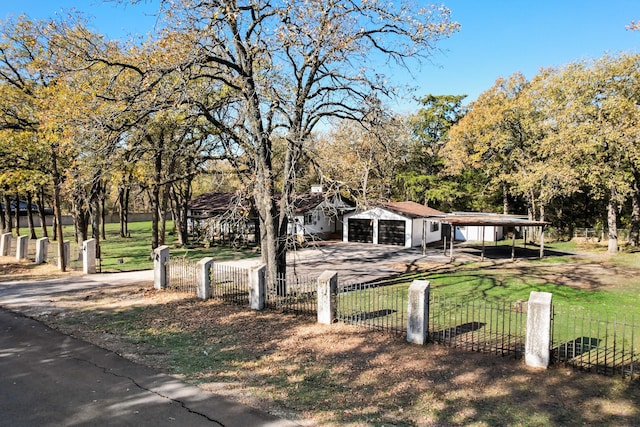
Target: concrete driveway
column 354, row 262
column 358, row 262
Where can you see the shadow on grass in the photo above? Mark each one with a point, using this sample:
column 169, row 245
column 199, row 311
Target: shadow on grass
column 341, row 375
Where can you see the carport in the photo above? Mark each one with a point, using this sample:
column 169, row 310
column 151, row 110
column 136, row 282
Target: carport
column 484, row 220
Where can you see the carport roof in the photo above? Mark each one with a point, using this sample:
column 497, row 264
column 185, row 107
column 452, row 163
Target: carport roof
column 487, row 219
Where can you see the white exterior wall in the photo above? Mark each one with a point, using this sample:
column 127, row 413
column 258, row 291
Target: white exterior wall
column 319, row 224
column 432, row 236
column 473, row 233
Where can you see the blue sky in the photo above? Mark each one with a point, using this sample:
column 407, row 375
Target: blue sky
column 497, row 38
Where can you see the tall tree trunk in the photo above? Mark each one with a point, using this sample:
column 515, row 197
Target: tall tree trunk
column 57, row 181
column 17, row 214
column 103, row 211
column 634, row 234
column 8, row 227
column 155, row 192
column 32, row 228
column 41, row 211
column 612, row 223
column 505, row 198
column 3, row 225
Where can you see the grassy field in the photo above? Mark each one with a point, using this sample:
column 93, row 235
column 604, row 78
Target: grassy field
column 133, row 253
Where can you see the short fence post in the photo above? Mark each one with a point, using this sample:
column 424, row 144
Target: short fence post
column 160, row 259
column 89, row 256
column 5, row 244
column 22, row 245
column 66, row 247
column 418, row 312
column 537, row 345
column 257, row 288
column 42, row 246
column 327, row 289
column 204, row 278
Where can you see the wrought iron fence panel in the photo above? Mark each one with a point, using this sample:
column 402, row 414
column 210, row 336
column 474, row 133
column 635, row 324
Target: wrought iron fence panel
column 478, row 325
column 597, row 342
column 375, row 307
column 230, row 283
column 293, row 293
column 182, row 275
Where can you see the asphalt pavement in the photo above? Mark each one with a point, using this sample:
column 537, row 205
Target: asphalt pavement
column 51, row 379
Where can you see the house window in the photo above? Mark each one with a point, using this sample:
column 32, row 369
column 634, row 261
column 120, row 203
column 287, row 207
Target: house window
column 308, row 218
column 435, row 226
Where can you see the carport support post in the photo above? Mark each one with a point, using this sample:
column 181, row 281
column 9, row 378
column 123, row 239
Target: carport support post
column 89, row 256
column 204, row 278
column 160, row 259
column 257, row 288
column 327, row 289
column 5, row 244
column 42, row 247
column 453, row 236
column 418, row 312
column 21, row 247
column 537, row 344
column 541, row 242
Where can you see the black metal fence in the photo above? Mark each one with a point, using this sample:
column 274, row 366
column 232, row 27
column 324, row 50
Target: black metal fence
column 591, row 341
column 478, row 325
column 293, row 294
column 182, row 275
column 375, row 307
column 230, row 283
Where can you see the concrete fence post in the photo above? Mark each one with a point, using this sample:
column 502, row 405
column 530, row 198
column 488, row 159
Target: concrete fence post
column 5, row 244
column 160, row 259
column 66, row 247
column 204, row 278
column 42, row 247
column 22, row 244
column 327, row 289
column 537, row 345
column 257, row 287
column 418, row 312
column 89, row 256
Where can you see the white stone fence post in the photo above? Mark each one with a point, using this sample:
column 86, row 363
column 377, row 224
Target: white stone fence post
column 537, row 345
column 257, row 287
column 22, row 246
column 5, row 244
column 327, row 289
column 160, row 259
column 418, row 312
column 204, row 278
column 66, row 247
column 89, row 256
column 42, row 247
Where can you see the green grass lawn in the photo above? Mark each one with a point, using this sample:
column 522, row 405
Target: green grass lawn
column 134, row 252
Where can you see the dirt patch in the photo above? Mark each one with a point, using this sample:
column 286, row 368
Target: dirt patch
column 11, row 269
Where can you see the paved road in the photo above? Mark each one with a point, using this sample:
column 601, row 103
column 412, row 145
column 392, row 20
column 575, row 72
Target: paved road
column 51, row 379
